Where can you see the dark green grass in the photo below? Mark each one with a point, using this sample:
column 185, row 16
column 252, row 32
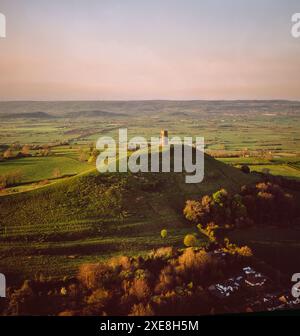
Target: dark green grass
column 97, row 215
column 87, row 202
column 42, row 228
column 58, row 259
column 35, row 169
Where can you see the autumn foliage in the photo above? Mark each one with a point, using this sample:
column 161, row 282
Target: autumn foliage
column 262, row 204
column 166, row 282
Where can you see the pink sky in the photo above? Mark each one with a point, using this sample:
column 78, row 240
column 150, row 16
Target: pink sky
column 109, row 50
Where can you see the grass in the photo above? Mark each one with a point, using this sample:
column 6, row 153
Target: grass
column 287, row 166
column 283, row 170
column 96, row 199
column 57, row 259
column 36, row 169
column 221, row 130
column 101, row 214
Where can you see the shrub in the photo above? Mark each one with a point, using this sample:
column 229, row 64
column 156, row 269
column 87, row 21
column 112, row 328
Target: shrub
column 193, row 211
column 245, row 251
column 163, row 233
column 175, row 302
column 199, row 266
column 163, row 252
column 140, row 289
column 22, row 300
column 168, row 279
column 190, row 240
column 8, row 154
column 99, row 298
column 142, row 274
column 83, row 156
column 245, row 169
column 121, row 261
column 195, row 260
column 25, row 150
column 141, row 310
column 220, row 197
column 11, row 178
column 94, row 276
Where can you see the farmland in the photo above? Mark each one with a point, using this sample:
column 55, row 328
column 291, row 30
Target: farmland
column 37, row 169
column 287, row 166
column 61, row 213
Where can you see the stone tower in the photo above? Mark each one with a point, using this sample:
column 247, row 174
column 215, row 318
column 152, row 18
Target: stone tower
column 164, row 138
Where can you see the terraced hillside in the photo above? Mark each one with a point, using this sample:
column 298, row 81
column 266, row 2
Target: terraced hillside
column 101, row 214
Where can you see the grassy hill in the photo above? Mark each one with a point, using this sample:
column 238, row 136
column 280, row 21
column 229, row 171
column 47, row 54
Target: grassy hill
column 94, row 216
column 35, row 169
column 92, row 202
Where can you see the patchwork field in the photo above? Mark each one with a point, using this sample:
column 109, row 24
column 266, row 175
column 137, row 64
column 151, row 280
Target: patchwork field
column 61, row 213
column 35, row 169
column 287, row 166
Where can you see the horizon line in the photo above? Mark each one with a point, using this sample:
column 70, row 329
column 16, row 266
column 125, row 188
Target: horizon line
column 145, row 100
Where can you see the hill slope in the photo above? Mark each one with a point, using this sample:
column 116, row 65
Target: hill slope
column 91, row 204
column 94, row 114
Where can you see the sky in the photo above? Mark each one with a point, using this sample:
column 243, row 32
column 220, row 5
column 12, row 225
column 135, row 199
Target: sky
column 149, row 49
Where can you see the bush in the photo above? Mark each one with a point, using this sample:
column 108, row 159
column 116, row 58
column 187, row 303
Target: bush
column 141, row 310
column 8, row 154
column 99, row 298
column 172, row 283
column 220, row 197
column 167, row 280
column 190, row 240
column 163, row 252
column 245, row 251
column 11, row 179
column 193, row 211
column 163, row 233
column 123, row 262
column 140, row 289
column 93, row 276
column 194, row 260
column 245, row 169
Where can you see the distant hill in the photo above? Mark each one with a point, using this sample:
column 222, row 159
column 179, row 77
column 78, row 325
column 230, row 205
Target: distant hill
column 94, row 114
column 194, row 108
column 179, row 114
column 30, row 115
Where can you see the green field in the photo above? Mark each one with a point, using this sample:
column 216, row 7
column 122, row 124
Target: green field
column 59, row 259
column 287, row 166
column 99, row 215
column 36, row 169
column 82, row 216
